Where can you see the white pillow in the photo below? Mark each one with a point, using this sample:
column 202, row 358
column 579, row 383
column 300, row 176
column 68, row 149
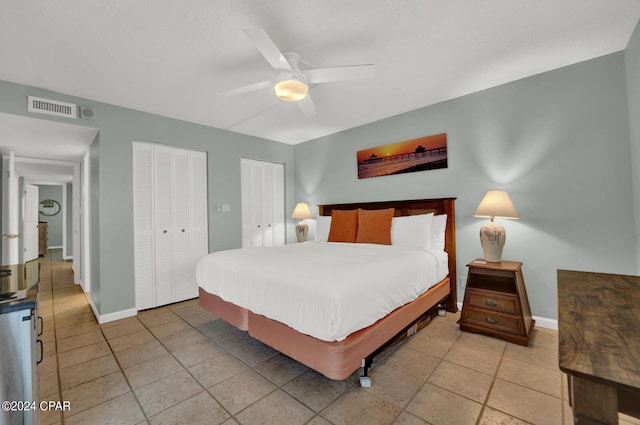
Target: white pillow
column 411, row 231
column 323, row 225
column 438, row 227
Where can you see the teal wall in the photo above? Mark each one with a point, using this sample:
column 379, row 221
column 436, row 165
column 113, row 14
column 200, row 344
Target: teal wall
column 54, row 223
column 111, row 205
column 632, row 62
column 557, row 142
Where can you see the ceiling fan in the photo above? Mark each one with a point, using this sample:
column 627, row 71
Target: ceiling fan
column 292, row 82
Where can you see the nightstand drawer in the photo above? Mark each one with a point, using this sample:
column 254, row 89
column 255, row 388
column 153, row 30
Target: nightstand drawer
column 491, row 301
column 492, row 320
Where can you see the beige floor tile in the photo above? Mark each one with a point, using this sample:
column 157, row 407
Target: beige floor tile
column 199, row 409
column 241, row 390
column 462, row 381
column 122, row 327
column 430, row 343
column 534, row 355
column 80, row 340
column 182, row 339
column 359, row 407
column 412, row 362
column 93, row 393
column 48, row 384
column 217, row 369
column 535, row 377
column 140, row 353
column 438, row 406
column 167, row 392
column 315, row 390
column 230, row 422
column 545, row 338
column 170, row 328
column 474, row 358
column 252, row 352
column 200, row 318
column 280, row 369
column 408, row 419
column 49, row 417
column 87, row 371
column 628, row 420
column 526, row 404
column 157, row 316
column 482, row 342
column 68, row 331
column 493, row 417
column 152, row 370
column 198, row 352
column 277, row 408
column 122, row 410
column 83, row 354
column 130, row 340
column 394, row 386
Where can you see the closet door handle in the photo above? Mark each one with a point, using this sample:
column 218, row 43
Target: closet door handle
column 182, row 230
column 258, row 226
column 269, row 225
column 164, row 231
column 39, row 342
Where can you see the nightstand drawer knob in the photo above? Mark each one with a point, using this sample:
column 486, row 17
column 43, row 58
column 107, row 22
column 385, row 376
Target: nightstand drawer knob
column 491, row 302
column 491, row 320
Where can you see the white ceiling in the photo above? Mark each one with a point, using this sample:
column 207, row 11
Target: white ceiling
column 172, row 57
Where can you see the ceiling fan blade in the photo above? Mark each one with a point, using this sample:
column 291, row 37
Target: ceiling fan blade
column 338, row 73
column 268, row 49
column 306, row 106
column 246, row 89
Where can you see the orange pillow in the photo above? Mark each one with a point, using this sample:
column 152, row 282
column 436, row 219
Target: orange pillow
column 344, row 226
column 374, row 226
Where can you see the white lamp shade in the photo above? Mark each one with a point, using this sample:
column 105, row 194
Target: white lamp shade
column 496, row 203
column 301, row 211
column 291, row 90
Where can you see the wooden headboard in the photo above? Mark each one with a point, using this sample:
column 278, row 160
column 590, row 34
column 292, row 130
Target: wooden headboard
column 415, row 207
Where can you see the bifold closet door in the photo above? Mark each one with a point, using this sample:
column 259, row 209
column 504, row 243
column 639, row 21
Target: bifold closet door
column 262, row 191
column 170, row 222
column 143, row 229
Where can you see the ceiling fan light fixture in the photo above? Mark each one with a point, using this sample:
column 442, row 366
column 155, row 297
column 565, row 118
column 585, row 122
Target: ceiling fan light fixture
column 291, row 90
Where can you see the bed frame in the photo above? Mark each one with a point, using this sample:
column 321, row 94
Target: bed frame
column 338, row 360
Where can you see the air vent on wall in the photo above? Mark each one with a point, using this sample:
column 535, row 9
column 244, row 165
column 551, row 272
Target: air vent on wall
column 52, row 107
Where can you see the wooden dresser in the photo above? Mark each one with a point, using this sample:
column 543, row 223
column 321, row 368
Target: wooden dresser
column 43, row 238
column 495, row 301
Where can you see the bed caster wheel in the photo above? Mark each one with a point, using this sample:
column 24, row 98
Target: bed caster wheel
column 365, row 382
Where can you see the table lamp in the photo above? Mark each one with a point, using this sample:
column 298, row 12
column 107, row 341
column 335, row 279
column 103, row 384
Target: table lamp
column 496, row 203
column 301, row 212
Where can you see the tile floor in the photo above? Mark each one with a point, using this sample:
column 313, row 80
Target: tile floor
column 181, row 365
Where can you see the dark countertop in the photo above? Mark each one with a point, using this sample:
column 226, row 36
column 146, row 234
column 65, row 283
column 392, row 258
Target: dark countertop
column 22, row 281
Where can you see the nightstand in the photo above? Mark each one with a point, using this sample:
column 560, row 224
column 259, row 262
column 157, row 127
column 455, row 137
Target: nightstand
column 495, row 301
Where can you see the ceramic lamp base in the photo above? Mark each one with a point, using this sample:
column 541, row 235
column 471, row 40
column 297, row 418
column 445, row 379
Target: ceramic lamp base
column 492, row 239
column 301, row 231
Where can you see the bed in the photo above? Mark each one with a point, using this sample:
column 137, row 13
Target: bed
column 315, row 333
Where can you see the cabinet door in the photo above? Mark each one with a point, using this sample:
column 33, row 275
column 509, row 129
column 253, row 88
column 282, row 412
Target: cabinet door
column 164, row 270
column 143, row 233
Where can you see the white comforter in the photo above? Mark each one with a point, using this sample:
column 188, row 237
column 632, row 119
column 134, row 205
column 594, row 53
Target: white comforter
column 326, row 290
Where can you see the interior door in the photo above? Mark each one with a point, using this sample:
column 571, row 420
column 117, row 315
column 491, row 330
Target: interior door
column 30, row 222
column 164, row 236
column 10, row 212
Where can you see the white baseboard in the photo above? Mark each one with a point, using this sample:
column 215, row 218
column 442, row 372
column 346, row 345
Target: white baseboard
column 110, row 317
column 54, row 247
column 542, row 322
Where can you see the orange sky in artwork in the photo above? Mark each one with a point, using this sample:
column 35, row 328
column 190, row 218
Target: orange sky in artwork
column 429, row 142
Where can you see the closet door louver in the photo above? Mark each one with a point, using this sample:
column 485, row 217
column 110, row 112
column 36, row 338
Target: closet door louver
column 143, row 227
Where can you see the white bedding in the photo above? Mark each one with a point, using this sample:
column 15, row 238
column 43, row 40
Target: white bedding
column 326, row 290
